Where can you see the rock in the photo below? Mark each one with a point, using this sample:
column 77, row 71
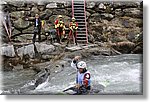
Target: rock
column 102, row 6
column 87, row 14
column 124, row 47
column 29, row 29
column 133, row 12
column 3, row 3
column 15, row 31
column 107, row 16
column 59, row 11
column 17, row 14
column 119, row 13
column 8, row 50
column 41, row 7
column 129, row 4
column 90, row 5
column 29, row 49
column 34, row 11
column 32, row 50
column 96, row 17
column 7, row 66
column 44, row 48
column 18, row 67
column 91, row 38
column 51, row 5
column 138, row 50
column 21, row 24
column 46, row 14
column 68, row 4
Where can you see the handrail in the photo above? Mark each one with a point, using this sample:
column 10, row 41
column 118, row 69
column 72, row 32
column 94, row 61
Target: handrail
column 72, row 8
column 85, row 22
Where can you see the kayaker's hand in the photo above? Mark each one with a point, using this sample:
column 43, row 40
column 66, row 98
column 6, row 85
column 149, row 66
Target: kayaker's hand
column 77, row 58
column 77, row 86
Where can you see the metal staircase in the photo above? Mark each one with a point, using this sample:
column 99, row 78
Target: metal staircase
column 78, row 11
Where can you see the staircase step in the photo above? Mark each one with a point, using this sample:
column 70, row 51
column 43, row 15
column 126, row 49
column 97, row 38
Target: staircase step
column 81, row 40
column 78, row 16
column 81, row 31
column 78, row 8
column 80, row 19
column 77, row 5
column 81, row 25
column 77, row 11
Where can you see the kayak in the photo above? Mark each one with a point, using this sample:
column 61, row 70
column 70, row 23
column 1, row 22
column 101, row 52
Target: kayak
column 42, row 85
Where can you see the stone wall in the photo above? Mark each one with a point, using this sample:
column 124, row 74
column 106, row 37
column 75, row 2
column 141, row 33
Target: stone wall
column 106, row 21
column 115, row 21
column 48, row 11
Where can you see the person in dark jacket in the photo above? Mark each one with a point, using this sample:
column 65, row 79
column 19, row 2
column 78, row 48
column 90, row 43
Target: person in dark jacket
column 37, row 28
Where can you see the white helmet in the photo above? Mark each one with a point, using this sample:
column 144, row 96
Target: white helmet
column 81, row 64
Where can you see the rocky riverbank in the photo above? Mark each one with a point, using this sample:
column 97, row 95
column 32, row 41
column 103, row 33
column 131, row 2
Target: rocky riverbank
column 114, row 28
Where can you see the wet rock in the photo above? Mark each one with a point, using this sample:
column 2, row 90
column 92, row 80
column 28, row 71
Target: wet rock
column 8, row 50
column 138, row 50
column 7, row 66
column 124, row 47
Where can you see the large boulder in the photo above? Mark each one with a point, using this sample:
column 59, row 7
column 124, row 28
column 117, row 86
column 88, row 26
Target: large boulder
column 26, row 50
column 8, row 50
column 124, row 47
column 33, row 49
column 21, row 24
column 44, row 48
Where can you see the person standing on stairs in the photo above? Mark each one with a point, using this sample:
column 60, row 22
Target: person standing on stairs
column 73, row 31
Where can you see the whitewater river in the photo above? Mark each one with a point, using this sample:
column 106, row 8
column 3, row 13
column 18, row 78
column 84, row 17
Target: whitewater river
column 121, row 74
